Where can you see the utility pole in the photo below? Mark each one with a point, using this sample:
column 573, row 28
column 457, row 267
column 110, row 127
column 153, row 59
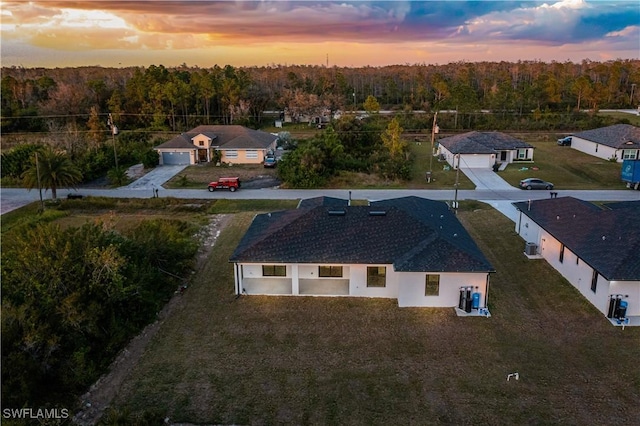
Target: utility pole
column 434, row 130
column 114, row 132
column 633, row 87
column 455, row 198
column 39, row 184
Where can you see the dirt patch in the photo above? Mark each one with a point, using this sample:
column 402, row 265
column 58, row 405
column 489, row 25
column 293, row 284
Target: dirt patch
column 101, row 393
column 261, row 182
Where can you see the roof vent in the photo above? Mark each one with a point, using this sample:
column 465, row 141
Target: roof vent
column 337, row 212
column 377, row 213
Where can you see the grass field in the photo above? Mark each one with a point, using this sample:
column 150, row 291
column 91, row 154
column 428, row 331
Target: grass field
column 566, row 168
column 307, row 360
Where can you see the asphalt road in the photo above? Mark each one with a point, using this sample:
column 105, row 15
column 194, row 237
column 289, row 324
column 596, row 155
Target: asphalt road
column 13, row 198
column 490, row 188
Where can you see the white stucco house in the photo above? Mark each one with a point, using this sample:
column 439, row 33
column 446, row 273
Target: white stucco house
column 236, row 144
column 619, row 142
column 410, row 249
column 597, row 249
column 483, row 149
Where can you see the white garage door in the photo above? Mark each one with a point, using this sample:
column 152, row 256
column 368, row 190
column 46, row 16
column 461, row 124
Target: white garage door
column 175, row 158
column 482, row 161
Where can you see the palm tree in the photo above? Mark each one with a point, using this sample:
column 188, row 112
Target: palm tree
column 55, row 170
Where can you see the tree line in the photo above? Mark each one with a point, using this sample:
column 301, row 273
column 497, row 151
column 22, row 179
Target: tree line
column 177, row 99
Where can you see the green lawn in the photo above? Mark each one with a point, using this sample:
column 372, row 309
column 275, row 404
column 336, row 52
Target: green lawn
column 565, row 167
column 321, row 360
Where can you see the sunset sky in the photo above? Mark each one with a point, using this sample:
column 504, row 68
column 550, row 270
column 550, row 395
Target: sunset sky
column 348, row 33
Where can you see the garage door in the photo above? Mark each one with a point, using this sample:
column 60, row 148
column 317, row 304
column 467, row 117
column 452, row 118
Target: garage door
column 482, row 161
column 175, row 158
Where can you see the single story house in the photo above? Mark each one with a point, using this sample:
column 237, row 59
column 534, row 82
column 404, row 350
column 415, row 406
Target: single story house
column 619, row 142
column 410, row 249
column 596, row 249
column 483, row 149
column 236, row 144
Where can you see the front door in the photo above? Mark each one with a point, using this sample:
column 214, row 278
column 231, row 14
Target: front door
column 202, row 156
column 503, row 155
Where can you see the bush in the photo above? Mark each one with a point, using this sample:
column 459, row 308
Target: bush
column 72, row 298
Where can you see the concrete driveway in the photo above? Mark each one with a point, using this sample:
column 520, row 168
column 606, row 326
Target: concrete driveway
column 155, row 178
column 486, row 179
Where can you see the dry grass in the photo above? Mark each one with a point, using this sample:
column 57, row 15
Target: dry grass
column 305, row 360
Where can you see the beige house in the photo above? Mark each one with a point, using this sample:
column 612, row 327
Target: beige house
column 236, row 144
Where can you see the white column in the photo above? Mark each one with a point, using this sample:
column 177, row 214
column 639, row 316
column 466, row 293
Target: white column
column 295, row 283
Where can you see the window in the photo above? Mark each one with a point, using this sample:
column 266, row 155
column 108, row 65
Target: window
column 596, row 147
column 274, row 271
column 522, row 154
column 432, row 285
column 252, row 154
column 594, row 281
column 629, row 154
column 232, row 153
column 330, row 271
column 376, row 276
column 201, row 143
column 561, row 253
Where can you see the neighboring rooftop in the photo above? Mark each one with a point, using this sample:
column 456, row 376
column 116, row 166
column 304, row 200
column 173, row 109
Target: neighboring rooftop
column 224, row 137
column 482, row 143
column 606, row 239
column 620, row 136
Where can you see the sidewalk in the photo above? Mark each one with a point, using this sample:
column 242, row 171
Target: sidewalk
column 488, row 179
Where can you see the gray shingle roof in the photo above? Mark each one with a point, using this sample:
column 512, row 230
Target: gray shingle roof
column 223, row 137
column 182, row 141
column 482, row 143
column 616, row 136
column 427, row 238
column 606, row 239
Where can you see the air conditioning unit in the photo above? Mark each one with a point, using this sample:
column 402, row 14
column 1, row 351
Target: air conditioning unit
column 531, row 249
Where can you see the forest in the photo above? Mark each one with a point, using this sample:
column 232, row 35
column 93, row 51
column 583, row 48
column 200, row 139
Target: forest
column 175, row 99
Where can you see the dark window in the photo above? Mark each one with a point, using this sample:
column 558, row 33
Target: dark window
column 330, row 271
column 561, row 253
column 201, row 143
column 376, row 276
column 432, row 285
column 594, row 281
column 274, row 271
column 577, row 260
